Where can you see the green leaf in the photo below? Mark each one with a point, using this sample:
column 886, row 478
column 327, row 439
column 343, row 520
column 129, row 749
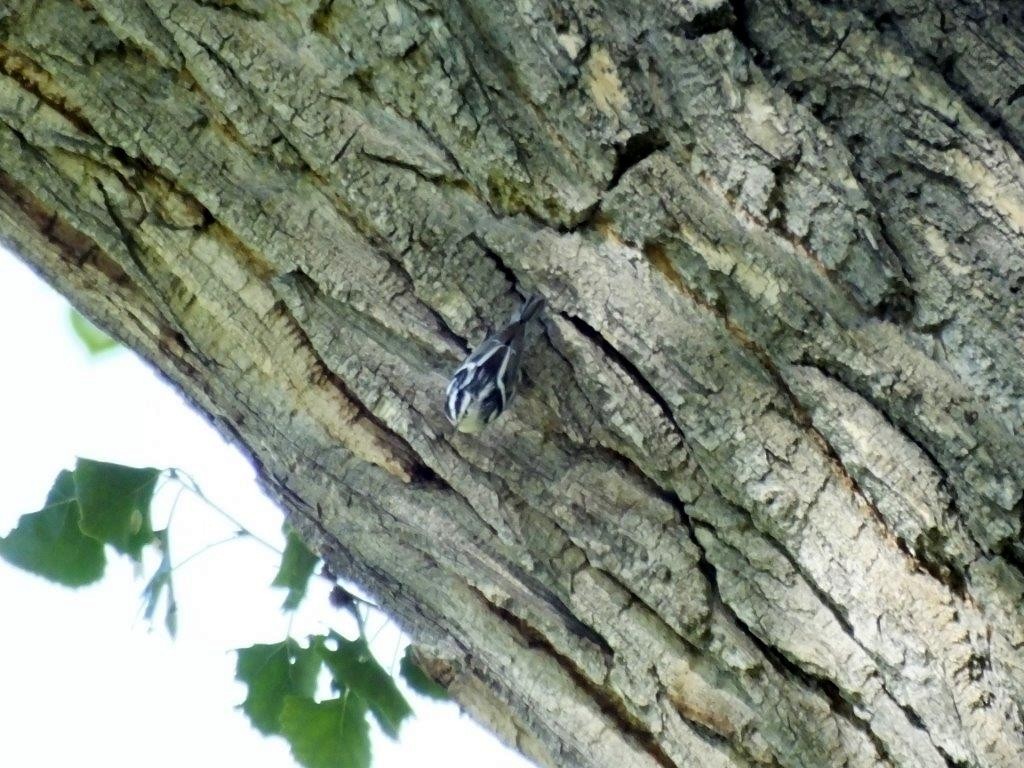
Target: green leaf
column 354, row 669
column 418, row 680
column 272, row 673
column 50, row 543
column 95, row 340
column 114, row 502
column 327, row 734
column 297, row 564
column 63, row 489
column 162, row 580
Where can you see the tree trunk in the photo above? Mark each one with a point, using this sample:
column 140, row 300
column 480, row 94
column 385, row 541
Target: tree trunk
column 759, row 501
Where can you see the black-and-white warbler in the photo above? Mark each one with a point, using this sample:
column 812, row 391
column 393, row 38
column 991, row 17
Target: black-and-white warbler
column 483, row 386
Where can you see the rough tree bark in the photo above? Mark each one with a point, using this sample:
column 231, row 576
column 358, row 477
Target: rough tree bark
column 760, row 500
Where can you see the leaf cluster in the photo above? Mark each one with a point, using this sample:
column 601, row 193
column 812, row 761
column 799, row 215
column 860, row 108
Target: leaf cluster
column 99, row 507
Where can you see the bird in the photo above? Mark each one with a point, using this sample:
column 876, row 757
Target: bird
column 482, row 388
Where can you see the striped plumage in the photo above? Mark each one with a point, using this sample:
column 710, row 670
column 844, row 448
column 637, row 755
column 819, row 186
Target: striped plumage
column 484, row 385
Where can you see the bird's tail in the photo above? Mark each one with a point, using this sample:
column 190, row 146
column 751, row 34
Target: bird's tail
column 529, row 308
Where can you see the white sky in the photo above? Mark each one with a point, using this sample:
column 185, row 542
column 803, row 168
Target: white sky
column 83, row 678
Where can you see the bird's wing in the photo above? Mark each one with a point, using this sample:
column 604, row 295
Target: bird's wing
column 486, row 363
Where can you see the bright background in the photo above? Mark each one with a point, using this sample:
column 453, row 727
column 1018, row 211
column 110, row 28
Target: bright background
column 84, row 679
